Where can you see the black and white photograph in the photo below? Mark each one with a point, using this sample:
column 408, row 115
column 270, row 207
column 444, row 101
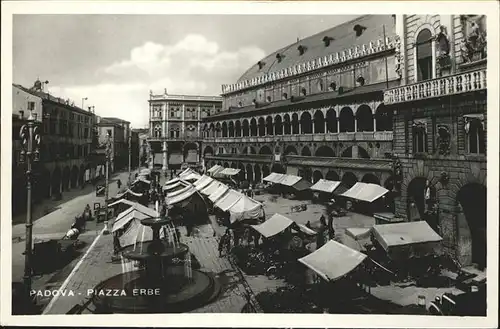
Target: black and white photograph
column 319, row 162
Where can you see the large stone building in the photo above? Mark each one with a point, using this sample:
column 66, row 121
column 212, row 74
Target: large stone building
column 440, row 127
column 175, row 128
column 398, row 101
column 118, row 132
column 313, row 108
column 66, row 144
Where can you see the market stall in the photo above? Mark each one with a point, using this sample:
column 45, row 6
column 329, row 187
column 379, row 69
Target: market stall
column 367, row 196
column 215, row 169
column 203, row 182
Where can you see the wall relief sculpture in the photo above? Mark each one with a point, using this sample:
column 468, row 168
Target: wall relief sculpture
column 443, row 59
column 473, row 47
column 443, row 140
column 398, row 58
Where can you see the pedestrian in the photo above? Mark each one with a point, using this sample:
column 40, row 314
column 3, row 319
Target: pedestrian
column 116, row 243
column 308, row 224
column 225, row 243
column 250, row 191
column 119, row 184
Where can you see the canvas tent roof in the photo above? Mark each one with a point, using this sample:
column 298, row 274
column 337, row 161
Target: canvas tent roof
column 274, row 225
column 145, row 171
column 212, row 187
column 228, row 200
column 181, row 196
column 122, row 201
column 228, row 172
column 306, row 230
column 136, row 211
column 170, row 187
column 301, row 185
column 172, row 181
column 203, row 182
column 324, row 185
column 274, row 177
column 365, row 192
column 290, row 180
column 141, row 179
column 215, row 169
column 128, row 191
column 408, row 233
column 246, row 208
column 358, row 233
column 333, row 260
column 221, row 190
column 175, row 193
column 191, row 176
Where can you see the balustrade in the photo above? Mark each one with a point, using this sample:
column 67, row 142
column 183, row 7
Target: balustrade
column 343, row 136
column 445, row 86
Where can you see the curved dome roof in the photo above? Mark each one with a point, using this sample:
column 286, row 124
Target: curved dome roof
column 341, row 37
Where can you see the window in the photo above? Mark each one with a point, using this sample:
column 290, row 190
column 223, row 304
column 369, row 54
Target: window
column 31, row 106
column 269, row 99
column 21, row 114
column 234, row 150
column 109, row 133
column 333, row 86
column 240, row 104
column 172, row 113
column 303, row 91
column 419, row 136
column 327, row 40
column 221, row 150
column 359, row 29
column 285, row 96
column 320, row 85
column 424, row 55
column 474, row 130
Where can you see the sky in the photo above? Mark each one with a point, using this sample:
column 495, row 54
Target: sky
column 115, row 60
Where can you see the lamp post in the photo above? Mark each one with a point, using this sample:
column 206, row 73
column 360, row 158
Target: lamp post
column 106, row 194
column 129, row 158
column 83, row 101
column 30, row 138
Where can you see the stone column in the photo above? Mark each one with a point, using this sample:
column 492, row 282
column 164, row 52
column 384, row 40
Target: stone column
column 338, row 124
column 355, row 124
column 326, row 125
column 165, row 156
column 374, row 123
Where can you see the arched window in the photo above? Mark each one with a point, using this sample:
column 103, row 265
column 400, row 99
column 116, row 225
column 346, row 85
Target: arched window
column 424, row 55
column 475, row 135
column 157, row 131
column 419, row 136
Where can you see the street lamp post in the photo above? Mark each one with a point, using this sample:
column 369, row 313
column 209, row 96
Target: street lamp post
column 106, row 195
column 30, row 137
column 129, row 158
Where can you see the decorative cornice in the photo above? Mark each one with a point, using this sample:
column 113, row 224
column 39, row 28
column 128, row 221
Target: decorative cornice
column 346, row 55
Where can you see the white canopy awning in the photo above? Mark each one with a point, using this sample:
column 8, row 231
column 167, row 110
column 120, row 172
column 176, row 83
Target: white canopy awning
column 183, row 194
column 215, row 169
column 211, row 188
column 358, row 233
column 145, row 171
column 221, row 190
column 128, row 191
column 274, row 225
column 324, row 185
column 274, row 177
column 228, row 200
column 172, row 186
column 306, row 230
column 122, row 201
column 172, row 181
column 136, row 211
column 365, row 192
column 246, row 208
column 203, row 182
column 289, row 180
column 401, row 234
column 228, row 172
column 333, row 260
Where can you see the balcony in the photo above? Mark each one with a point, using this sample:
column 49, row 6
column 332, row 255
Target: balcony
column 445, row 86
column 174, row 139
column 310, row 161
column 329, row 137
column 266, row 158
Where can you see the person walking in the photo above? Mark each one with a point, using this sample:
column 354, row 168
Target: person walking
column 119, row 184
column 225, row 244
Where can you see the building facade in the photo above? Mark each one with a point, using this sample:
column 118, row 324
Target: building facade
column 141, row 147
column 314, row 108
column 175, row 129
column 66, row 132
column 118, row 132
column 440, row 128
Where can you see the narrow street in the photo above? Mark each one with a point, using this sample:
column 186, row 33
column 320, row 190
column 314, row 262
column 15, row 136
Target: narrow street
column 54, row 226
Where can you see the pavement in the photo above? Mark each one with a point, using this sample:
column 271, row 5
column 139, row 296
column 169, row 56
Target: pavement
column 54, row 225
